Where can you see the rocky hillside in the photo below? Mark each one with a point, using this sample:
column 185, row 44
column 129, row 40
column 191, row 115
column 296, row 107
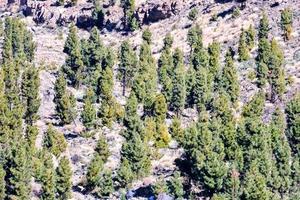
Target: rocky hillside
column 220, row 21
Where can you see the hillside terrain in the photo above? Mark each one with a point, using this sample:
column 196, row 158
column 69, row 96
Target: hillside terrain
column 150, row 99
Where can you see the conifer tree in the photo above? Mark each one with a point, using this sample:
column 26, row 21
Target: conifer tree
column 194, row 37
column 229, row 78
column 250, row 37
column 125, row 174
column 128, row 64
column 293, row 123
column 65, row 101
column 263, row 58
column 2, row 182
column 105, row 186
column 243, row 48
column 89, row 112
column 102, row 148
column 201, row 91
column 176, row 130
column 178, row 91
column 214, row 59
column 63, row 182
column 160, row 108
column 18, row 174
column 176, row 186
column 74, row 66
column 287, row 23
column 136, row 152
column 30, row 136
column 128, row 9
column 94, row 171
column 276, row 71
column 30, row 93
column 54, row 141
column 263, row 29
column 48, row 178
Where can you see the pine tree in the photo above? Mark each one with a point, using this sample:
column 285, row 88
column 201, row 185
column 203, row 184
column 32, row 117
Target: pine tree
column 48, row 178
column 73, row 67
column 128, row 9
column 94, row 171
column 287, row 23
column 18, row 174
column 176, row 130
column 65, row 101
column 263, row 29
column 105, row 186
column 250, row 37
column 201, row 90
column 160, row 108
column 147, row 36
column 89, row 112
column 30, row 93
column 63, row 182
column 229, row 78
column 263, row 58
column 30, row 136
column 178, row 91
column 136, row 152
column 2, row 182
column 194, row 37
column 293, row 123
column 276, row 71
column 128, row 64
column 54, row 141
column 214, row 59
column 102, row 148
column 125, row 174
column 243, row 48
column 176, row 186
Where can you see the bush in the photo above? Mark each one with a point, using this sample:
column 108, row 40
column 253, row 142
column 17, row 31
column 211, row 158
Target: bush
column 193, row 14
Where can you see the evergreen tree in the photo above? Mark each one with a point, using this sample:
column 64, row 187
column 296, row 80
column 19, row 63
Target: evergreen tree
column 293, row 123
column 176, row 186
column 89, row 112
column 136, row 152
column 263, row 29
column 147, row 36
column 18, row 174
column 102, row 148
column 74, row 66
column 214, row 59
column 30, row 136
column 250, row 37
column 48, row 178
column 287, row 23
column 160, row 108
column 229, row 78
column 276, row 71
column 105, row 186
column 176, row 130
column 263, row 58
column 243, row 48
column 54, row 141
column 130, row 19
column 128, row 64
column 125, row 174
column 94, row 171
column 178, row 91
column 30, row 93
column 2, row 182
column 201, row 91
column 63, row 182
column 65, row 101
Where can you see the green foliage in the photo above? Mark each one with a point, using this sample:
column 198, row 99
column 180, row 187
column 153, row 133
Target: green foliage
column 176, row 186
column 147, row 36
column 94, row 171
column 30, row 136
column 229, row 78
column 176, row 130
column 48, row 178
column 102, row 148
column 63, row 179
column 214, row 59
column 243, row 48
column 263, row 58
column 263, row 29
column 30, row 93
column 160, row 107
column 89, row 112
column 287, row 22
column 162, row 135
column 236, row 13
column 178, row 81
column 125, row 174
column 65, row 101
column 130, row 21
column 18, row 174
column 127, row 67
column 2, row 182
column 293, row 123
column 54, row 141
column 193, row 14
column 201, row 90
column 105, row 186
column 160, row 187
column 250, row 37
column 98, row 16
column 74, row 65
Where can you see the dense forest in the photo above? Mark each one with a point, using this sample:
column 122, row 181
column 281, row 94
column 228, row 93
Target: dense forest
column 231, row 152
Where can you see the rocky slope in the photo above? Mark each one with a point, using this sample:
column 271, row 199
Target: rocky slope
column 162, row 17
